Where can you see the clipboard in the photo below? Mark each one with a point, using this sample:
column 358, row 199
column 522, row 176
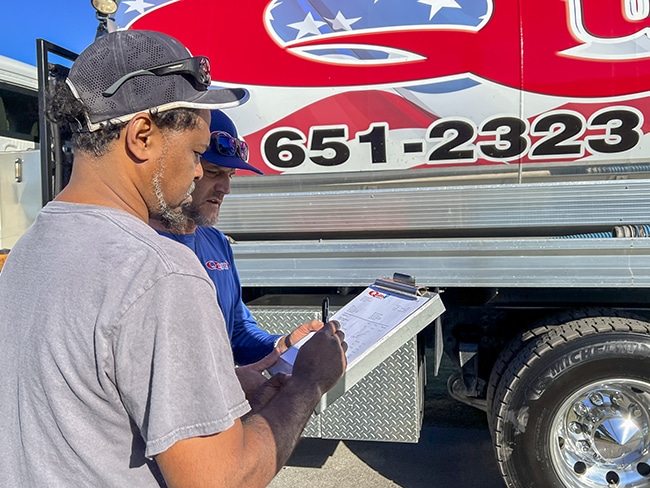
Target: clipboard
column 376, row 323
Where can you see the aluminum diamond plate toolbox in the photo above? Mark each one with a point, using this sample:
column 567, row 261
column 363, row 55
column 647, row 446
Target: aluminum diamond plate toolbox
column 385, row 405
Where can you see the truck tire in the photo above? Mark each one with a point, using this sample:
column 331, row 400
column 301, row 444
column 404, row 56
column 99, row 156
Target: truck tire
column 533, row 331
column 572, row 409
column 502, row 363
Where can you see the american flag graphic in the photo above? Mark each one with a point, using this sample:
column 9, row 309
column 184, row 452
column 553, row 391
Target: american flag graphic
column 294, row 19
column 130, row 10
column 419, row 83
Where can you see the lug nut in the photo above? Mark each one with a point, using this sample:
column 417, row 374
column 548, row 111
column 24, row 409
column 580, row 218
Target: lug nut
column 596, row 399
column 580, row 409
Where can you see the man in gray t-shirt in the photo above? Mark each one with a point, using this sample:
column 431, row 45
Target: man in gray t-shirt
column 116, row 367
column 89, row 345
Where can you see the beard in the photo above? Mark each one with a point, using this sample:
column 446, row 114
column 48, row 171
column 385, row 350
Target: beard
column 193, row 213
column 171, row 216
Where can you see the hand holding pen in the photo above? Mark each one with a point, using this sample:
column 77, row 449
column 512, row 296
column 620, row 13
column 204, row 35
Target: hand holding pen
column 305, row 329
column 325, row 316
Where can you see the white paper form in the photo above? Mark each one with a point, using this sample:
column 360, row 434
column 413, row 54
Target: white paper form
column 365, row 320
column 370, row 316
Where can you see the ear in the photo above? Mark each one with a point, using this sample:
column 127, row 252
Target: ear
column 141, row 137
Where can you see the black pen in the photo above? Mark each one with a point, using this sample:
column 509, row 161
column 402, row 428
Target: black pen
column 326, row 310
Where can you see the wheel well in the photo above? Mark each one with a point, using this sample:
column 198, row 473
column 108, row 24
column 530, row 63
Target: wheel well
column 487, row 321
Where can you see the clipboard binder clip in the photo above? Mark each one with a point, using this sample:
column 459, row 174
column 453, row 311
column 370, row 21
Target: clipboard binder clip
column 401, row 284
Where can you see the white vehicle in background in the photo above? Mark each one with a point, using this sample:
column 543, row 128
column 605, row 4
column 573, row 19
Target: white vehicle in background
column 20, row 168
column 18, row 105
column 34, row 162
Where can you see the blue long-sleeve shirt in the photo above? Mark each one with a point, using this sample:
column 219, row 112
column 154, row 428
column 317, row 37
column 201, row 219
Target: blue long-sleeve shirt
column 249, row 342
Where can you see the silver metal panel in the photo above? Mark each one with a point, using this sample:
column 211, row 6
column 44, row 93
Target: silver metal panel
column 282, row 320
column 531, row 207
column 380, row 351
column 21, row 201
column 386, row 404
column 615, row 262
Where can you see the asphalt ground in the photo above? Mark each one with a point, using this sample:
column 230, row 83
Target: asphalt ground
column 454, row 450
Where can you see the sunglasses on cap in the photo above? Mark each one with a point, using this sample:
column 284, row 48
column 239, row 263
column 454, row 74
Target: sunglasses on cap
column 227, row 145
column 198, row 68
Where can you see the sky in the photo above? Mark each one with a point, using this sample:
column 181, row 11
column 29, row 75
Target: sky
column 68, row 23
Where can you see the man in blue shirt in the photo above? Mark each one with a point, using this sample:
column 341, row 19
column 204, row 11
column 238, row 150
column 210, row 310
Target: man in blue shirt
column 225, row 155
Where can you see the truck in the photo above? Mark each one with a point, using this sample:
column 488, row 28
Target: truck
column 20, row 180
column 496, row 150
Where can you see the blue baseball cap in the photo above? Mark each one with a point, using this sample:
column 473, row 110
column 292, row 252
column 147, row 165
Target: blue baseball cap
column 222, row 123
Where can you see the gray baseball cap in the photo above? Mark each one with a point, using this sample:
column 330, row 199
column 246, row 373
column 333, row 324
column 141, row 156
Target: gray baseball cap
column 132, row 71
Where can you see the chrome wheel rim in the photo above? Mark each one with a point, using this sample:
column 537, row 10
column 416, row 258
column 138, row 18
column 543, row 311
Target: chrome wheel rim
column 600, row 436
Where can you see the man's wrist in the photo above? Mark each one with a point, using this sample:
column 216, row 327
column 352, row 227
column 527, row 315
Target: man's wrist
column 278, row 341
column 283, row 342
column 306, row 388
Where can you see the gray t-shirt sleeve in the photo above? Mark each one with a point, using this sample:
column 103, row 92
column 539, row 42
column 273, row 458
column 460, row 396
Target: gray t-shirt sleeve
column 173, row 363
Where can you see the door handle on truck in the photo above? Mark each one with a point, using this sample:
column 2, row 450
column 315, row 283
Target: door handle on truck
column 18, row 170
